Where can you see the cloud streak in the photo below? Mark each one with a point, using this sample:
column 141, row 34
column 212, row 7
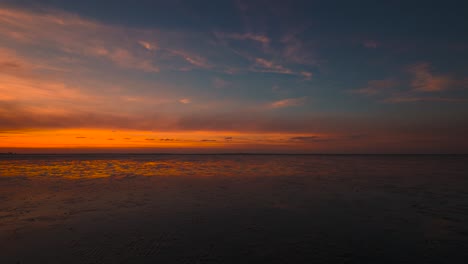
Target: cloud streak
column 377, row 86
column 289, row 102
column 75, row 35
column 426, row 81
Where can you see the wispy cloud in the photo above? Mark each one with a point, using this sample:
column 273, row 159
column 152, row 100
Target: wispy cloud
column 377, row 86
column 20, row 82
column 185, row 101
column 147, row 45
column 288, row 55
column 423, row 80
column 193, row 59
column 307, row 75
column 295, row 50
column 308, row 139
column 426, row 81
column 411, row 99
column 289, row 102
column 270, row 66
column 262, row 39
column 72, row 34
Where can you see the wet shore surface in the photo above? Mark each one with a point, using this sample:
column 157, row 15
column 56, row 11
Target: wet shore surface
column 234, row 209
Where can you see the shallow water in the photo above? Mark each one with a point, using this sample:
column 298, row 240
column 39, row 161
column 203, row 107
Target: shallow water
column 233, row 208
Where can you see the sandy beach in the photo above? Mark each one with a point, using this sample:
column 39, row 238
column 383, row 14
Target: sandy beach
column 323, row 209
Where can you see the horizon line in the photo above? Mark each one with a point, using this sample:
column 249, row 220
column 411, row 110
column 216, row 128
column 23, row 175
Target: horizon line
column 236, row 153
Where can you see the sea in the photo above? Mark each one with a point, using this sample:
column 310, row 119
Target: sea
column 233, row 208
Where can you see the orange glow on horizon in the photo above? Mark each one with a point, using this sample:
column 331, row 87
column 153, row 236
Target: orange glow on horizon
column 98, row 138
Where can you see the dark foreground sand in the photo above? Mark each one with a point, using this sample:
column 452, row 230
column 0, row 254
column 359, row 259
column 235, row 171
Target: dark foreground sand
column 364, row 211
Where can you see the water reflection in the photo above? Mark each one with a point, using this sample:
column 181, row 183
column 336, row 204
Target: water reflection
column 82, row 167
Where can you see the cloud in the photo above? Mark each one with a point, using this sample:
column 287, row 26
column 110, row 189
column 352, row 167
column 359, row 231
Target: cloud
column 125, row 58
column 307, row 75
column 147, row 45
column 289, row 102
column 152, row 50
column 269, row 66
column 264, row 65
column 68, row 33
column 272, row 56
column 297, row 51
column 377, row 86
column 411, row 99
column 336, row 133
column 423, row 81
column 194, row 60
column 308, row 139
column 426, row 81
column 262, row 39
column 21, row 81
column 185, row 101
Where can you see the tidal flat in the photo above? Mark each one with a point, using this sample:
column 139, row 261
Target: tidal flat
column 234, row 209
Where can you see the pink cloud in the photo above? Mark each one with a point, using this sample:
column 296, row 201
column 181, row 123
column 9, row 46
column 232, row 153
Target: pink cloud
column 289, row 102
column 425, row 81
column 20, row 82
column 72, row 34
column 262, row 39
column 270, row 66
column 185, row 101
column 147, row 45
column 411, row 99
column 192, row 59
column 307, row 75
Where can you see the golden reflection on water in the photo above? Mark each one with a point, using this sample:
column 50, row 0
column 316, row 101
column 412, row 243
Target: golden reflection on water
column 104, row 166
column 82, row 167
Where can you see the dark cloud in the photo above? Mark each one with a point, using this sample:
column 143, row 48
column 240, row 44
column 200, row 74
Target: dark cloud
column 9, row 65
column 309, row 139
column 15, row 118
column 208, row 140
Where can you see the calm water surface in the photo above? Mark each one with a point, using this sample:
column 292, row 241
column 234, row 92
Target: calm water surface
column 96, row 166
column 233, row 209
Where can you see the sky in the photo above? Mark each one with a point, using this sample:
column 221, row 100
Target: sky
column 233, row 76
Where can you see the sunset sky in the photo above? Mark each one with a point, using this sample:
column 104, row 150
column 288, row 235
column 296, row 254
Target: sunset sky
column 234, row 76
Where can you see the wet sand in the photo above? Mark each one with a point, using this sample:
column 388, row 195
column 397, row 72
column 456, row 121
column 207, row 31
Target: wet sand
column 284, row 209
